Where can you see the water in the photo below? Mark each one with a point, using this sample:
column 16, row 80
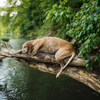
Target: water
column 21, row 82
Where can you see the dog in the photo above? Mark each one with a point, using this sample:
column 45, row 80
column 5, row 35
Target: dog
column 59, row 47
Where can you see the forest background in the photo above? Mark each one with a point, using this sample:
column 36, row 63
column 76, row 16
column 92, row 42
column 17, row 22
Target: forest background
column 67, row 19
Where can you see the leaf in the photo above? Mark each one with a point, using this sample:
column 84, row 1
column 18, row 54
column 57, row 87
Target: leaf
column 61, row 13
column 98, row 25
column 99, row 16
column 95, row 18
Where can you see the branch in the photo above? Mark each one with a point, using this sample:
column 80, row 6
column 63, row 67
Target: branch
column 47, row 63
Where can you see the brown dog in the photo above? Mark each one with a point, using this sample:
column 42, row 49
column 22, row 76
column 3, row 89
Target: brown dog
column 60, row 47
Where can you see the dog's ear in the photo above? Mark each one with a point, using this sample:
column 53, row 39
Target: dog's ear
column 30, row 48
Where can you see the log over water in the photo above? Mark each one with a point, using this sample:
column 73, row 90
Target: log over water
column 47, row 63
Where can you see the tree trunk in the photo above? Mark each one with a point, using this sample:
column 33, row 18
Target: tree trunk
column 47, row 63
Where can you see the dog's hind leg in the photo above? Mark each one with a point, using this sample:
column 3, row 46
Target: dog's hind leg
column 60, row 55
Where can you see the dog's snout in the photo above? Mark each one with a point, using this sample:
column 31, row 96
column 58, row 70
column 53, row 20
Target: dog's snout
column 20, row 51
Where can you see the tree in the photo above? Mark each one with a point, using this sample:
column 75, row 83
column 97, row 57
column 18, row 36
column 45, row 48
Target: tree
column 26, row 15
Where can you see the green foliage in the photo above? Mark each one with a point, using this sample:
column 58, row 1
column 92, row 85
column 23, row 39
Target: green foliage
column 85, row 28
column 4, row 39
column 44, row 30
column 61, row 16
column 62, row 13
column 97, row 59
column 2, row 29
column 27, row 15
column 89, row 65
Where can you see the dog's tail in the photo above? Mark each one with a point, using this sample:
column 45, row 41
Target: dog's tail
column 73, row 54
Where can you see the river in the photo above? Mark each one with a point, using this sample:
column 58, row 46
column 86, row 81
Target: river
column 21, row 82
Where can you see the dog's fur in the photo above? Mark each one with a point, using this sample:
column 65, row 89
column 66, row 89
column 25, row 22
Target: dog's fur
column 60, row 47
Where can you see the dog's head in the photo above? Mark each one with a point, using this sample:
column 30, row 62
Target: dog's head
column 27, row 47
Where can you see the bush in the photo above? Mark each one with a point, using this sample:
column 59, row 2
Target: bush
column 85, row 27
column 5, row 39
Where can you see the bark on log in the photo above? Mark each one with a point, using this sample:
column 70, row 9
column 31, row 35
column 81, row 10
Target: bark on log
column 47, row 63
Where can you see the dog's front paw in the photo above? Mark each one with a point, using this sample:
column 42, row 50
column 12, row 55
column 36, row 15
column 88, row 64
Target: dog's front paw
column 13, row 52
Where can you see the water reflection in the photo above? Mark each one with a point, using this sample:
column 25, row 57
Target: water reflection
column 21, row 82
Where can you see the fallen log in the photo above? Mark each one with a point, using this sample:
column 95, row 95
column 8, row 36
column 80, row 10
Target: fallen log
column 47, row 63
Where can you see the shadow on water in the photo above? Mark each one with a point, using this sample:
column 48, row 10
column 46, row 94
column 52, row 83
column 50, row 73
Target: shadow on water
column 21, row 82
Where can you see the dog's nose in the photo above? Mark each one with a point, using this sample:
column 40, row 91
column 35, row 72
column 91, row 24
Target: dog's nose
column 20, row 51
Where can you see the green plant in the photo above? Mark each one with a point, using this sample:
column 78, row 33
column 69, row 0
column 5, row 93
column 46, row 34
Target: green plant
column 5, row 39
column 24, row 17
column 60, row 16
column 85, row 28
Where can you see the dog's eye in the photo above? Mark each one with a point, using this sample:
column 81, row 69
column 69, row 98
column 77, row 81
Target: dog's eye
column 24, row 46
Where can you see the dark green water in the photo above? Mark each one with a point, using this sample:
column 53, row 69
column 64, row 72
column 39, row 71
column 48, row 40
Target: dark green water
column 21, row 82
